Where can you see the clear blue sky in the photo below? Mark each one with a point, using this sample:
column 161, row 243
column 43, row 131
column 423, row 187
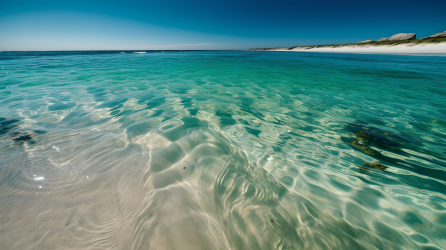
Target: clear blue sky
column 209, row 24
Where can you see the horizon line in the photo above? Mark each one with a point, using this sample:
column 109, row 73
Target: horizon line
column 123, row 50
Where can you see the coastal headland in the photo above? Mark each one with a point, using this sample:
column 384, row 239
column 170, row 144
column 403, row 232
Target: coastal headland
column 398, row 43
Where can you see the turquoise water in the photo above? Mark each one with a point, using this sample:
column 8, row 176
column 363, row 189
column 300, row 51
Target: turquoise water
column 222, row 150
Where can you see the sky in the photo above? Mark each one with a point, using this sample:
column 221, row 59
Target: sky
column 51, row 25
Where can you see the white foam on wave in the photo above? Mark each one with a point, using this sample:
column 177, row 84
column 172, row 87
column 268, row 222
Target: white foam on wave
column 142, row 52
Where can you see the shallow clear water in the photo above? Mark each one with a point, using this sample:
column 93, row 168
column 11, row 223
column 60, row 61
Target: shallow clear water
column 222, row 150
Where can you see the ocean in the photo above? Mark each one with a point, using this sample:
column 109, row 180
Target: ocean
column 222, row 150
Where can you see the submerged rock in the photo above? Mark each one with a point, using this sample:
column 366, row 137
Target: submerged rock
column 399, row 37
column 369, row 135
column 376, row 135
column 367, row 149
column 376, row 165
column 359, row 143
column 438, row 35
column 366, row 135
column 367, row 165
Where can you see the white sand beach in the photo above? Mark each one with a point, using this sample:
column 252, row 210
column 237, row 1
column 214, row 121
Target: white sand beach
column 397, row 49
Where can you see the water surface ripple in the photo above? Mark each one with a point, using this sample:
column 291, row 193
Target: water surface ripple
column 222, row 150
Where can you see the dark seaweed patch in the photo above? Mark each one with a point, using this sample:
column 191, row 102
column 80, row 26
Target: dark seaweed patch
column 366, row 135
column 381, row 136
column 254, row 132
column 360, row 145
column 23, row 138
column 10, row 129
column 376, row 165
column 376, row 138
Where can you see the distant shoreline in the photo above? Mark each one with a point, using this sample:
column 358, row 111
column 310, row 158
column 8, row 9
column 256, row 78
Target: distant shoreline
column 419, row 49
column 384, row 45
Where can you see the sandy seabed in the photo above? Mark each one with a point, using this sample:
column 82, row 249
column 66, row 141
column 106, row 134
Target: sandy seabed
column 229, row 150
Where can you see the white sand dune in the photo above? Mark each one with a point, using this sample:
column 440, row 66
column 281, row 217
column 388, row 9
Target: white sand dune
column 397, row 49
